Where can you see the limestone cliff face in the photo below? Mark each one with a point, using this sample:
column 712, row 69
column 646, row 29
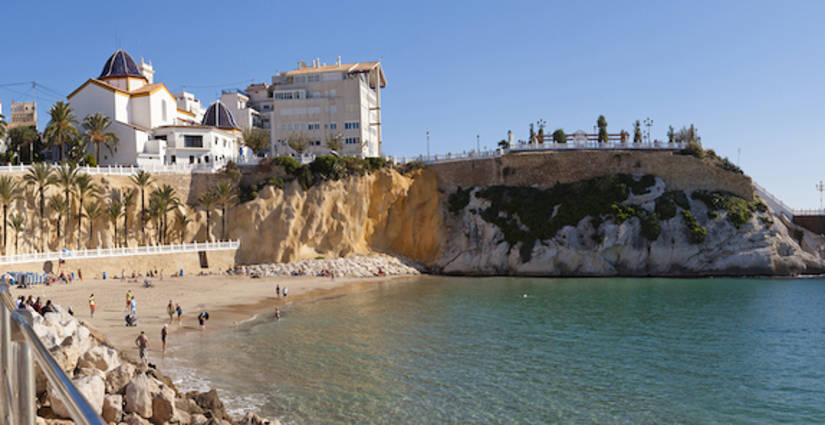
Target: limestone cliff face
column 756, row 247
column 383, row 212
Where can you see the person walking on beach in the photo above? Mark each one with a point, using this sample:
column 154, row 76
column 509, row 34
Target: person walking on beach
column 278, row 313
column 202, row 318
column 92, row 304
column 180, row 312
column 164, row 334
column 133, row 307
column 171, row 310
column 142, row 343
column 128, row 299
column 284, row 291
column 278, row 291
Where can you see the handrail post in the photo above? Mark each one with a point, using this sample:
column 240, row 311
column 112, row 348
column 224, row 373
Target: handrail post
column 5, row 364
column 25, row 384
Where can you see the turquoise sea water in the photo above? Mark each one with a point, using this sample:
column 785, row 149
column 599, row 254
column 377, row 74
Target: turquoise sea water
column 531, row 351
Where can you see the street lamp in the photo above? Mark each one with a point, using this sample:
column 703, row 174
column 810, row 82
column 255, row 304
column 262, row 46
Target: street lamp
column 821, row 188
column 428, row 143
column 478, row 143
column 648, row 123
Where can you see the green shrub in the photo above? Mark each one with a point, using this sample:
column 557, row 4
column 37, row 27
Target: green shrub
column 274, row 181
column 798, row 234
column 247, row 193
column 374, row 164
column 760, row 205
column 643, row 185
column 458, row 200
column 290, row 164
column 651, row 228
column 739, row 210
column 666, row 204
column 727, row 165
column 90, row 160
column 766, row 220
column 696, row 233
column 712, row 214
column 693, row 148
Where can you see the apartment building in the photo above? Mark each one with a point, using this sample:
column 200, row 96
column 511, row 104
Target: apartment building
column 319, row 105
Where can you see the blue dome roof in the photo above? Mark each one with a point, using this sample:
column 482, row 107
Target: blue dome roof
column 218, row 116
column 120, row 64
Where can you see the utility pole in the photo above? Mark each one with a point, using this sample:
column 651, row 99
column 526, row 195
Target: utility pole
column 428, row 143
column 821, row 188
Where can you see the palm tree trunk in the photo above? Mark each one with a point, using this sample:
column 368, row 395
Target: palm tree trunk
column 4, row 228
column 126, row 228
column 42, row 220
column 79, row 220
column 207, row 225
column 115, row 224
column 223, row 222
column 91, row 229
column 142, row 212
column 97, row 153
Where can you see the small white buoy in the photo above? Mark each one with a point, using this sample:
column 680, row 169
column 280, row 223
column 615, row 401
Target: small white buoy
column 525, row 295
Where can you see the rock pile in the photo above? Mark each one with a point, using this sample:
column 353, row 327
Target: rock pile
column 118, row 389
column 354, row 266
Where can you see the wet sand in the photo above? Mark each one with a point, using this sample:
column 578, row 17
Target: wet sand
column 229, row 300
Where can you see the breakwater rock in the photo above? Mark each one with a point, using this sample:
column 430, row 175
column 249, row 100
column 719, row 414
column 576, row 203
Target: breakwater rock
column 353, row 266
column 120, row 389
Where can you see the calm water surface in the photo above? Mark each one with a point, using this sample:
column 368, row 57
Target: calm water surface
column 532, row 351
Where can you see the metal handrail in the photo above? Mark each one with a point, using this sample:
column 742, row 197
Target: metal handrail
column 79, row 408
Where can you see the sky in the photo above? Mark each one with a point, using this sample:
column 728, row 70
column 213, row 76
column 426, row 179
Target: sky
column 750, row 75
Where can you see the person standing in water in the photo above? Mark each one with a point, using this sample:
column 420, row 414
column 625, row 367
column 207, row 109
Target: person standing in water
column 180, row 312
column 278, row 313
column 164, row 334
column 171, row 310
column 92, row 304
column 142, row 343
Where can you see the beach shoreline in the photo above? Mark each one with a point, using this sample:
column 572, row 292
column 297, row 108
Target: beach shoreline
column 230, row 300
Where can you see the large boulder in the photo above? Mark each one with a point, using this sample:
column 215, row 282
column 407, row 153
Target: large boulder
column 188, row 405
column 210, row 402
column 199, row 419
column 67, row 354
column 93, row 389
column 112, row 408
column 47, row 334
column 181, row 417
column 100, row 357
column 163, row 404
column 139, row 396
column 119, row 377
column 253, row 419
column 134, row 419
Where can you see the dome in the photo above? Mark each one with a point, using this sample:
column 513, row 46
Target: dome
column 218, row 116
column 120, row 64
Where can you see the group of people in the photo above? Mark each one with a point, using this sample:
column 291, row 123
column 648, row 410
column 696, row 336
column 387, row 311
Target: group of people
column 278, row 291
column 35, row 304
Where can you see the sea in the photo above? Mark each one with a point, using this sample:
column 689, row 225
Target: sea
column 498, row 350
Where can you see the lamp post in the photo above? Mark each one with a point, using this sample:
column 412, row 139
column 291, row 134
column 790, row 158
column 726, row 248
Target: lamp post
column 648, row 123
column 478, row 144
column 428, row 143
column 821, row 188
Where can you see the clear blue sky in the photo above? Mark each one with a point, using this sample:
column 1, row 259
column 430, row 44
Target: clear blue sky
column 748, row 74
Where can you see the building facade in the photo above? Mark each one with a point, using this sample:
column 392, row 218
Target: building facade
column 23, row 114
column 319, row 106
column 153, row 125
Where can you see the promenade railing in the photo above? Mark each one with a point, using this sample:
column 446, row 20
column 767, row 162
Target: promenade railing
column 533, row 147
column 127, row 170
column 780, row 207
column 18, row 401
column 118, row 252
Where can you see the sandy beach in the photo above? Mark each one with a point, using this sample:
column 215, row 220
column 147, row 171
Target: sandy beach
column 230, row 300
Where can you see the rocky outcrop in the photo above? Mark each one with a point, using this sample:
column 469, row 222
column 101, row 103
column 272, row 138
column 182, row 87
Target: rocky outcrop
column 116, row 388
column 604, row 245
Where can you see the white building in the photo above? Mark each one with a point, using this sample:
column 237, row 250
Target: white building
column 153, row 125
column 321, row 103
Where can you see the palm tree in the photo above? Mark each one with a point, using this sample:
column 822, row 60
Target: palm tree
column 84, row 187
column 128, row 201
column 17, row 224
column 165, row 199
column 21, row 138
column 61, row 128
column 207, row 201
column 9, row 192
column 65, row 177
column 182, row 221
column 60, row 205
column 92, row 211
column 3, row 126
column 142, row 180
column 113, row 210
column 40, row 176
column 96, row 126
column 225, row 195
column 154, row 214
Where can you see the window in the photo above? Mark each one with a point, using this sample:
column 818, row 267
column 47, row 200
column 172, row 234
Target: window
column 161, row 137
column 314, row 126
column 191, row 159
column 173, row 159
column 313, row 78
column 190, row 141
column 351, row 140
column 206, row 159
column 352, row 125
column 333, row 125
column 300, row 79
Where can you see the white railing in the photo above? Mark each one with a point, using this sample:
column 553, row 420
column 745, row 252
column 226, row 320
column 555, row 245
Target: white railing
column 128, row 170
column 119, row 252
column 529, row 147
column 780, row 207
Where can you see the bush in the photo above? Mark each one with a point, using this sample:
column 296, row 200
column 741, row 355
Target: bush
column 643, row 185
column 290, row 164
column 727, row 165
column 766, row 220
column 666, row 204
column 693, row 148
column 712, row 214
column 377, row 163
column 739, row 210
column 90, row 160
column 458, row 200
column 247, row 193
column 696, row 233
column 651, row 228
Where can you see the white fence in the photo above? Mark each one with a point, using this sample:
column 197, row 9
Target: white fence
column 128, row 170
column 780, row 207
column 530, row 147
column 119, row 252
